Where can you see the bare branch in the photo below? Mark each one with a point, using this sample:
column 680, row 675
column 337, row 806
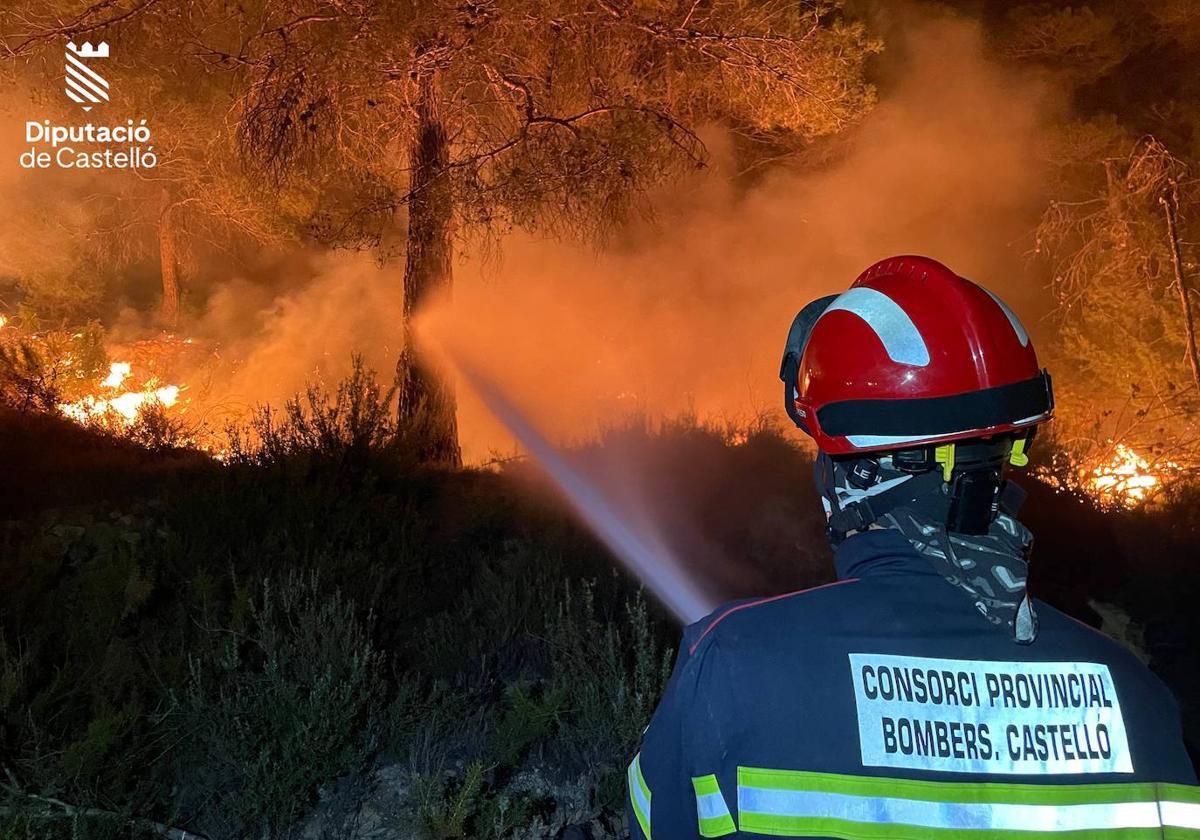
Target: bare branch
column 80, row 25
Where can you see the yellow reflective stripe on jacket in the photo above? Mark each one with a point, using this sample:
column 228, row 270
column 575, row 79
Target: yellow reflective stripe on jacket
column 711, row 810
column 639, row 794
column 803, row 804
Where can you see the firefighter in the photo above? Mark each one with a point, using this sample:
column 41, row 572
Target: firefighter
column 924, row 694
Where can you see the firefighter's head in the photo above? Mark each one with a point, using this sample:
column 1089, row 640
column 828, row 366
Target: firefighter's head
column 919, row 388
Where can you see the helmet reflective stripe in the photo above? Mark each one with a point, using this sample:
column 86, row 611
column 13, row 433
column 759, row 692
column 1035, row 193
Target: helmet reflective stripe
column 865, row 441
column 792, row 803
column 900, row 336
column 711, row 811
column 639, row 794
column 1023, row 420
column 1017, row 326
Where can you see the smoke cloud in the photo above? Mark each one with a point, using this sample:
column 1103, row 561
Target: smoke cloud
column 687, row 314
column 692, row 315
column 270, row 345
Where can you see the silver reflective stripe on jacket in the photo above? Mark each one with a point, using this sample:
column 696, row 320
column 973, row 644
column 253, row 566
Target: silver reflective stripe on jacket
column 803, row 804
column 639, row 794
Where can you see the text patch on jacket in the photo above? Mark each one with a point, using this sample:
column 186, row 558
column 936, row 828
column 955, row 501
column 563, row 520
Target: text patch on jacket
column 975, row 716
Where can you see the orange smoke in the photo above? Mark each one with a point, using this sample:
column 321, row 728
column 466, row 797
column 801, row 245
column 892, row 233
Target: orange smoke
column 687, row 314
column 690, row 314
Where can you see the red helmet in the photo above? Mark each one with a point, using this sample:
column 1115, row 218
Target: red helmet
column 911, row 355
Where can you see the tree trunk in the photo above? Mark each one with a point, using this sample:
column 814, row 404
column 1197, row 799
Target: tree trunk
column 168, row 308
column 427, row 404
column 1170, row 203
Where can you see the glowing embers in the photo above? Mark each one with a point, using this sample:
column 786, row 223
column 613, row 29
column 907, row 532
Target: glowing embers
column 1125, row 478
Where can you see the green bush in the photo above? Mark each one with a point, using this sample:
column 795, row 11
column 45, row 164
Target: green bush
column 244, row 639
column 445, row 805
column 38, row 370
column 248, row 638
column 350, row 425
column 279, row 703
column 238, row 649
column 610, row 669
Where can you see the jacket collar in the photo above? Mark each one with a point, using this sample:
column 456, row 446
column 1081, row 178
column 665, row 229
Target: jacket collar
column 881, row 551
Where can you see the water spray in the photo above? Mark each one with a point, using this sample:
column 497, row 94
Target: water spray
column 640, row 550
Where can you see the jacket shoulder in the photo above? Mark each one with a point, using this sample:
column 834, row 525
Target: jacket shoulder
column 1088, row 641
column 765, row 614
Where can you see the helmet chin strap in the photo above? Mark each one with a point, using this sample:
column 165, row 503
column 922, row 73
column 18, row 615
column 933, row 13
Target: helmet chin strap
column 852, row 509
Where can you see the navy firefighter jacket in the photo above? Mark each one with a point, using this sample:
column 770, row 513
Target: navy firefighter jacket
column 885, row 706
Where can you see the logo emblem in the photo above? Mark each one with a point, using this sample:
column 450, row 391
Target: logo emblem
column 83, row 84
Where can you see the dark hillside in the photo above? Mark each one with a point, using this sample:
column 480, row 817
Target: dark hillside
column 308, row 637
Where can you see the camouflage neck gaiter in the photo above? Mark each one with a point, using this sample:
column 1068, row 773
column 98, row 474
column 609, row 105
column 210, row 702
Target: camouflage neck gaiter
column 991, row 569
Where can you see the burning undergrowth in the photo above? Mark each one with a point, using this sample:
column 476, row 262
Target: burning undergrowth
column 175, row 391
column 248, row 348
column 1116, row 476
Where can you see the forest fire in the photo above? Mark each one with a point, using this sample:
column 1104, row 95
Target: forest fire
column 126, row 404
column 430, row 373
column 1124, row 479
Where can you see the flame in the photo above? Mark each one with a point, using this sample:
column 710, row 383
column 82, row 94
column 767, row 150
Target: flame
column 1125, row 479
column 3, row 321
column 126, row 404
column 117, row 374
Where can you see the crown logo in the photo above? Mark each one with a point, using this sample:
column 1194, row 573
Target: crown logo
column 88, row 51
column 82, row 83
